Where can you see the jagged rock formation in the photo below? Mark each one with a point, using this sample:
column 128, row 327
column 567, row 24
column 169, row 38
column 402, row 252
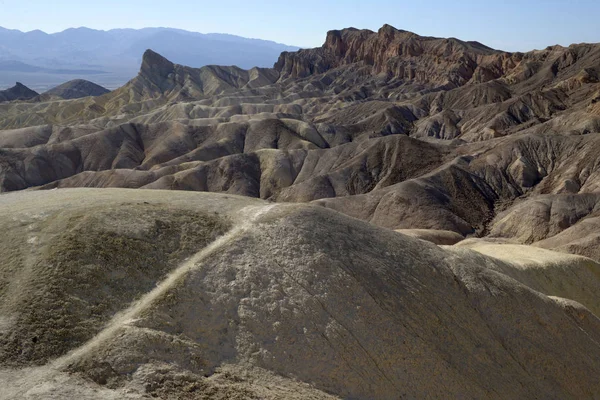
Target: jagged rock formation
column 402, row 54
column 17, row 92
column 75, row 89
column 239, row 298
column 446, row 141
column 407, row 132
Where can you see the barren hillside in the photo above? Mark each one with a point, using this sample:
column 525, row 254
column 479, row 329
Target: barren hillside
column 386, row 216
column 405, row 131
column 124, row 294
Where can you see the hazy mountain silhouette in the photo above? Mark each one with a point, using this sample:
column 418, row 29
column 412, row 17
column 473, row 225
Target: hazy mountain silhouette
column 18, row 66
column 34, row 57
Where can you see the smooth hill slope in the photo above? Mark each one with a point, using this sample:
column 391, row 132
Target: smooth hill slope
column 76, row 89
column 214, row 295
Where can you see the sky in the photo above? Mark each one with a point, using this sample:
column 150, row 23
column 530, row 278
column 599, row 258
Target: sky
column 509, row 25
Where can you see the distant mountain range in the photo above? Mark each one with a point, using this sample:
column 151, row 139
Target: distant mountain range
column 42, row 60
column 18, row 66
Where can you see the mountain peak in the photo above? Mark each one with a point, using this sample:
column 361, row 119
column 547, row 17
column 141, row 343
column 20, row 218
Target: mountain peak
column 386, row 29
column 155, row 65
column 403, row 54
column 77, row 88
column 17, row 92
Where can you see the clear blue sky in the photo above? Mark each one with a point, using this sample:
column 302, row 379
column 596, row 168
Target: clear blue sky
column 508, row 24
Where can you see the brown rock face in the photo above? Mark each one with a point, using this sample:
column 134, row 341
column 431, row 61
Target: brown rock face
column 401, row 54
